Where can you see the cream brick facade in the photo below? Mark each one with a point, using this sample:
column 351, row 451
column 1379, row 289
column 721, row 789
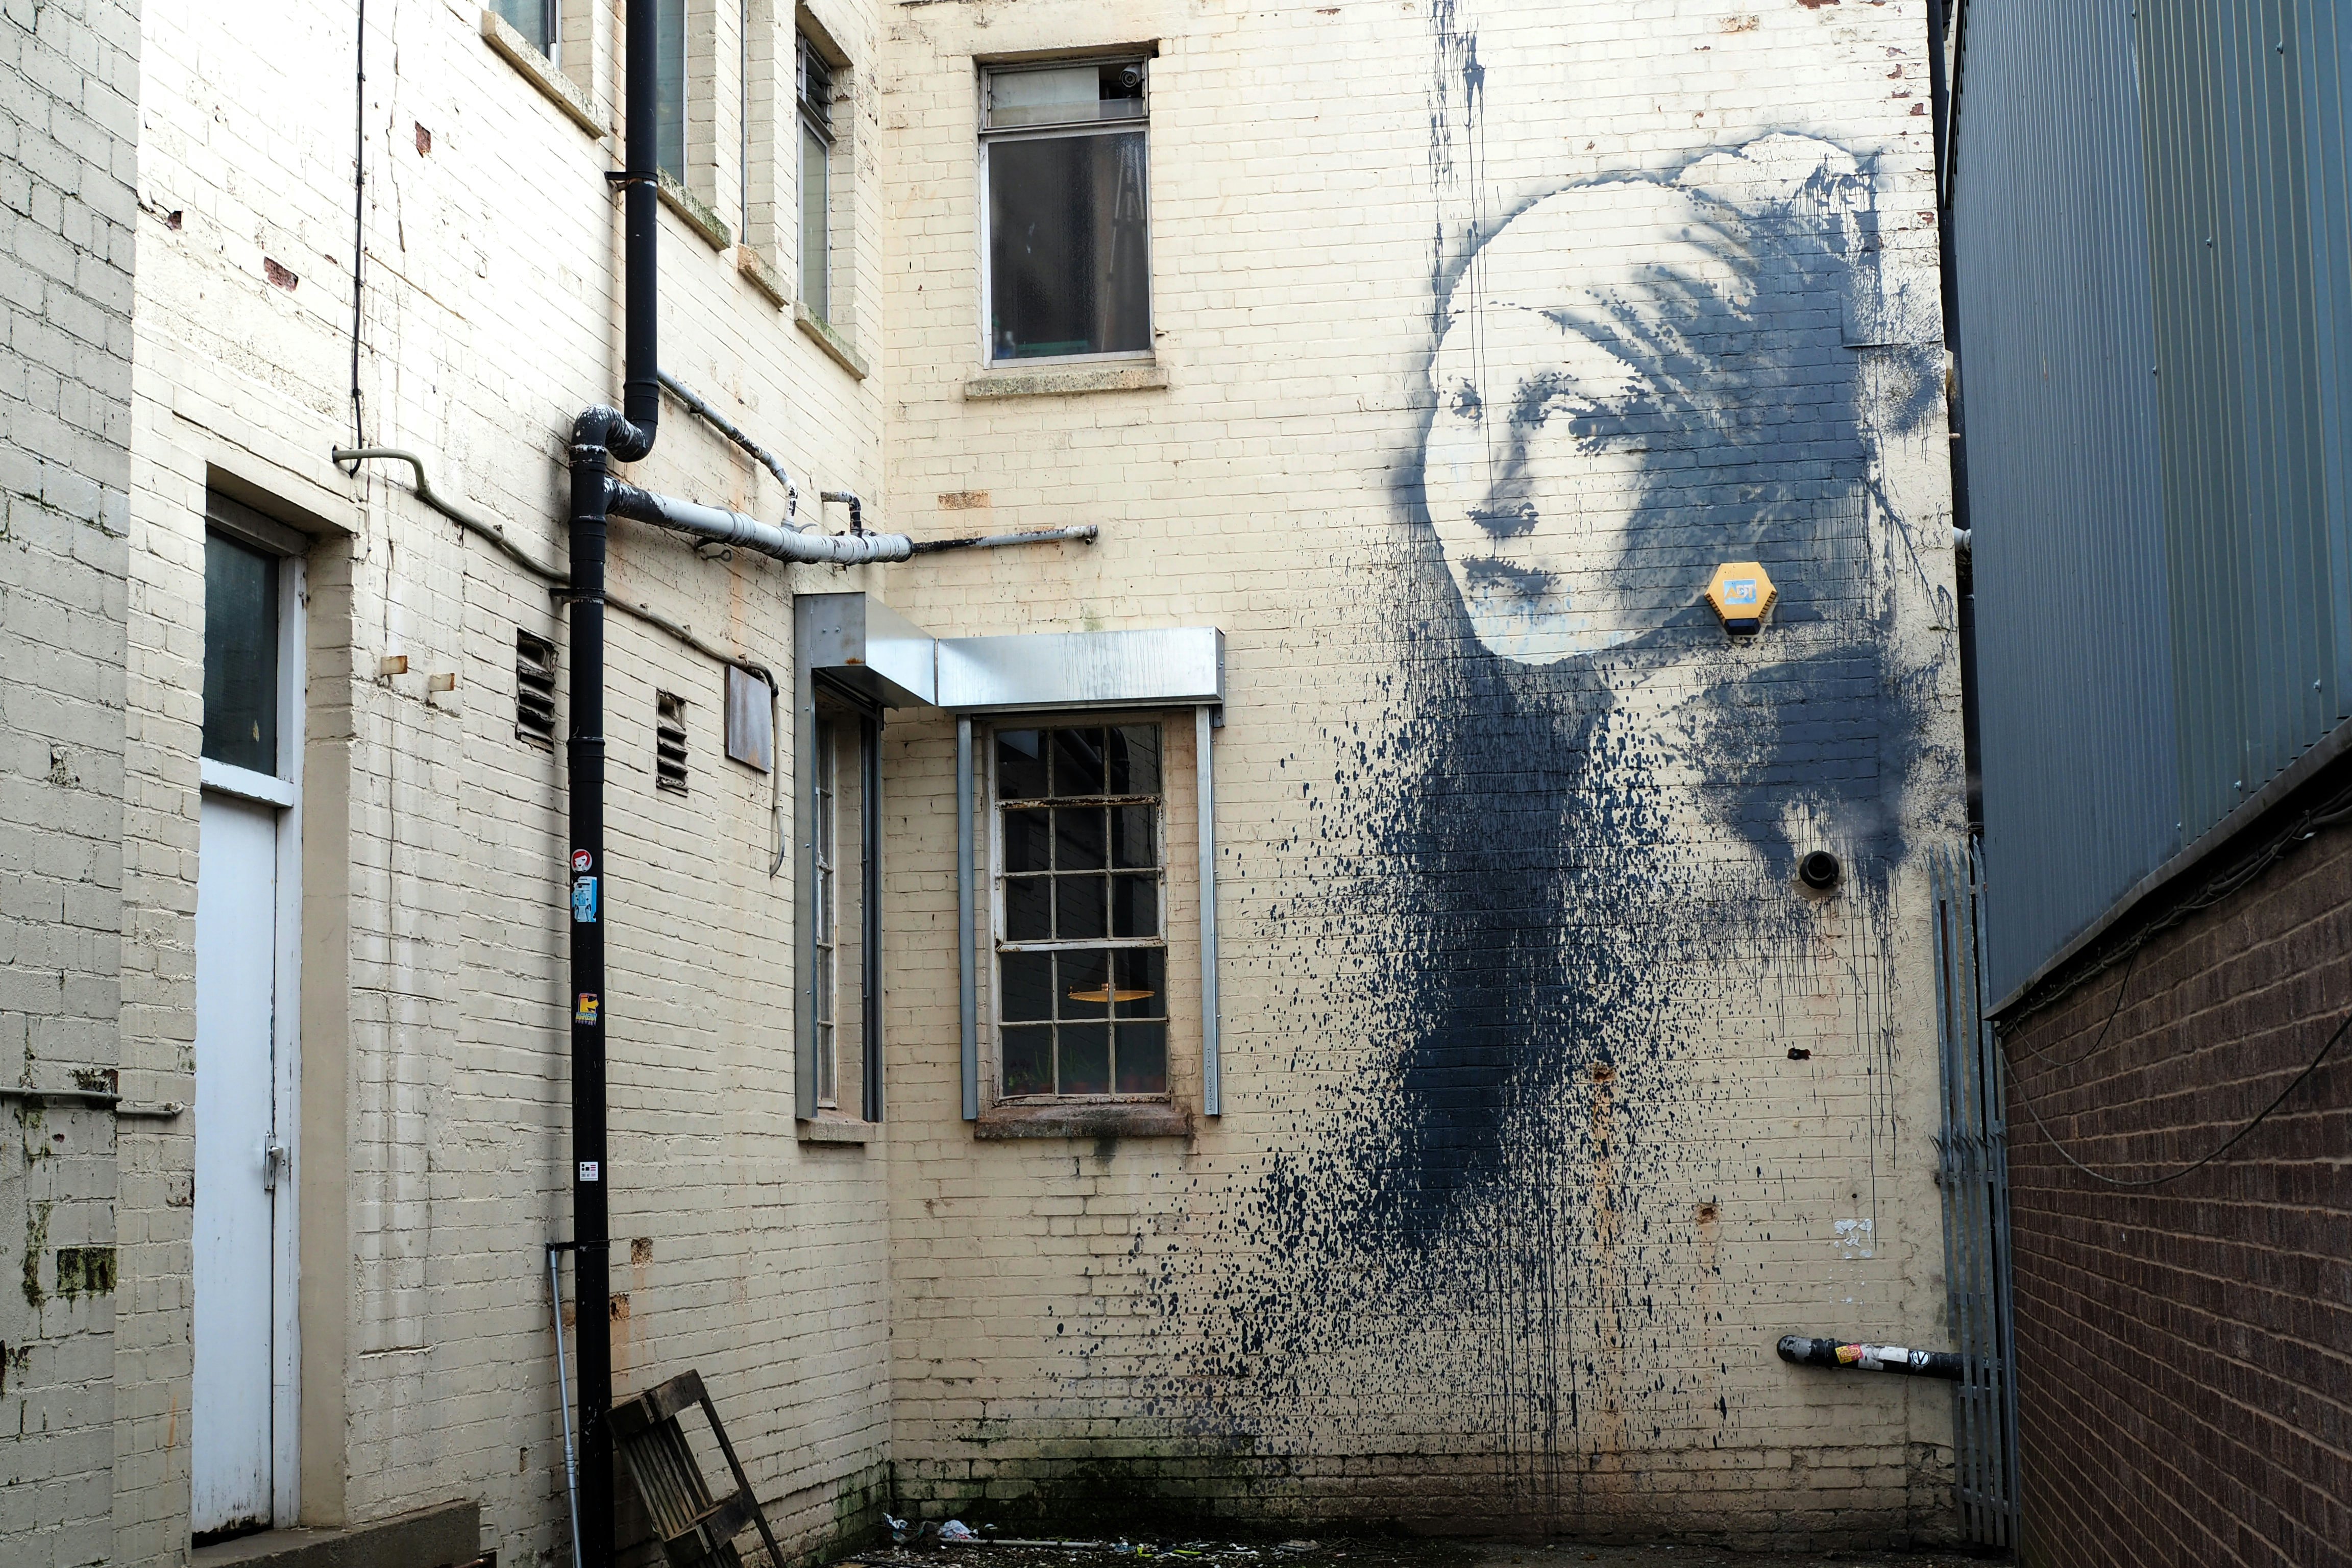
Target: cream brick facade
column 1442, row 1257
column 69, row 145
column 1277, row 1317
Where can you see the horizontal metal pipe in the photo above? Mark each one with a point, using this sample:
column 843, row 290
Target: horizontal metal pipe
column 726, row 427
column 1084, row 533
column 451, row 509
column 725, row 526
column 1847, row 1356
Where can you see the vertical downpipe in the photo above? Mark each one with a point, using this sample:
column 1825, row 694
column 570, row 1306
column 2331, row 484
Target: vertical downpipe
column 967, row 988
column 591, row 1223
column 597, row 439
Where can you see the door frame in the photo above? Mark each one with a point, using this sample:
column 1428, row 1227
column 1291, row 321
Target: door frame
column 282, row 791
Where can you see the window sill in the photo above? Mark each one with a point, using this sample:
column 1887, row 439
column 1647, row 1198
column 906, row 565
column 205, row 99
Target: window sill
column 699, row 218
column 832, row 342
column 1085, row 1119
column 540, row 73
column 833, row 1127
column 761, row 276
column 1063, row 380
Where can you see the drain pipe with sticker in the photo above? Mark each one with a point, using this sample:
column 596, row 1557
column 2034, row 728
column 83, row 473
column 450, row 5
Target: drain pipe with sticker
column 1841, row 1355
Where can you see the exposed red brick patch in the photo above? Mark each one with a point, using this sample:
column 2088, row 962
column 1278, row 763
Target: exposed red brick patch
column 279, row 275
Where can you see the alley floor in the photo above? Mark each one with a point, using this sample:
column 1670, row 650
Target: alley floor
column 1387, row 1552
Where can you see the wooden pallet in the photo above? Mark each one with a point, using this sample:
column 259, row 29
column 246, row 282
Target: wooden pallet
column 695, row 1529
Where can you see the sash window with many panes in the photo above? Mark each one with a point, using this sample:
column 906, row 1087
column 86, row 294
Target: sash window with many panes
column 1082, row 946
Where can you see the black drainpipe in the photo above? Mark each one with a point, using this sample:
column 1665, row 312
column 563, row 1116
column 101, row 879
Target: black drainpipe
column 599, row 436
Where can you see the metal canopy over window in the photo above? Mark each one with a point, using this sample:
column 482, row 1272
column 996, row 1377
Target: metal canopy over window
column 860, row 645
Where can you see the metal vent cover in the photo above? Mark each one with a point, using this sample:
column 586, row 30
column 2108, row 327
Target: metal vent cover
column 534, row 688
column 670, row 741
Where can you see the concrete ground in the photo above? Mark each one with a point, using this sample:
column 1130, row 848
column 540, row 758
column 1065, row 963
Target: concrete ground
column 1382, row 1552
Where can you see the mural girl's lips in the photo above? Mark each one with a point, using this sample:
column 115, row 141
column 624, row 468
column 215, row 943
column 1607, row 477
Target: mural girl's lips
column 1493, row 574
column 1507, row 521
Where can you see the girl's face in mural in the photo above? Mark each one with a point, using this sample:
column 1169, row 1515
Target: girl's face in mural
column 1533, row 472
column 1588, row 348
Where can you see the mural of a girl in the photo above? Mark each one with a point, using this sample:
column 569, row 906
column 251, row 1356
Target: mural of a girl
column 1590, row 801
column 1633, row 379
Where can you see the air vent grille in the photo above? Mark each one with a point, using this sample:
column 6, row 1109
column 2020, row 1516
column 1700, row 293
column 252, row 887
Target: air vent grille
column 670, row 741
column 534, row 688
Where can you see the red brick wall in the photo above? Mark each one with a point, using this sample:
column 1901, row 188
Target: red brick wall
column 2185, row 1352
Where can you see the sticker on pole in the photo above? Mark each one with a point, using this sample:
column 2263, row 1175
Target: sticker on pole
column 591, row 1170
column 583, row 901
column 585, row 1012
column 583, row 862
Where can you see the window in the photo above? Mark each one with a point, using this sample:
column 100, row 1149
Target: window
column 536, row 20
column 1069, row 258
column 534, row 688
column 749, row 107
column 814, row 93
column 1082, row 948
column 669, row 743
column 669, row 89
column 825, row 936
column 240, row 655
column 840, row 1071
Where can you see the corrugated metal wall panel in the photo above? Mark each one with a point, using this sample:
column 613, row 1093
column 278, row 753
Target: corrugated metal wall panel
column 2260, row 629
column 2326, row 62
column 2074, row 659
column 2153, row 235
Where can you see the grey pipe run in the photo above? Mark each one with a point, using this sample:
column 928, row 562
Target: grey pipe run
column 1851, row 1356
column 452, row 510
column 856, row 508
column 689, row 518
column 724, row 526
column 1084, row 533
column 726, row 427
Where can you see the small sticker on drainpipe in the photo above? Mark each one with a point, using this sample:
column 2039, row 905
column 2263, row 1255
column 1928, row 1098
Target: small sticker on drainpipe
column 585, row 1012
column 583, row 901
column 589, row 1171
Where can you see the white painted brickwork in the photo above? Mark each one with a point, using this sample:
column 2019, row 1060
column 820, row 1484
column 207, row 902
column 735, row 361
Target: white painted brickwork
column 432, row 1163
column 68, row 84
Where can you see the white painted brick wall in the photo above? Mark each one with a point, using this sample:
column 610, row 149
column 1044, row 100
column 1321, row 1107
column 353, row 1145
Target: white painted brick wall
column 68, row 80
column 491, row 318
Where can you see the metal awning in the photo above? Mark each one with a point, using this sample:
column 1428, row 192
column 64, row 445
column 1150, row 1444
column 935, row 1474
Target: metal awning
column 862, row 645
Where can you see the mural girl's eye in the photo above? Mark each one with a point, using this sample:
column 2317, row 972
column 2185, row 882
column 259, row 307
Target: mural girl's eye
column 1467, row 406
column 1544, row 399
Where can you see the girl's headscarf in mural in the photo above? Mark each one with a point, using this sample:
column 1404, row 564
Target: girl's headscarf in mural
column 1637, row 378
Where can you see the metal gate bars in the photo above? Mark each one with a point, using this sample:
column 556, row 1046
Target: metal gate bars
column 1972, row 1169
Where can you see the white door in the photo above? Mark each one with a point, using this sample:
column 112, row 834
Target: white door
column 236, row 1075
